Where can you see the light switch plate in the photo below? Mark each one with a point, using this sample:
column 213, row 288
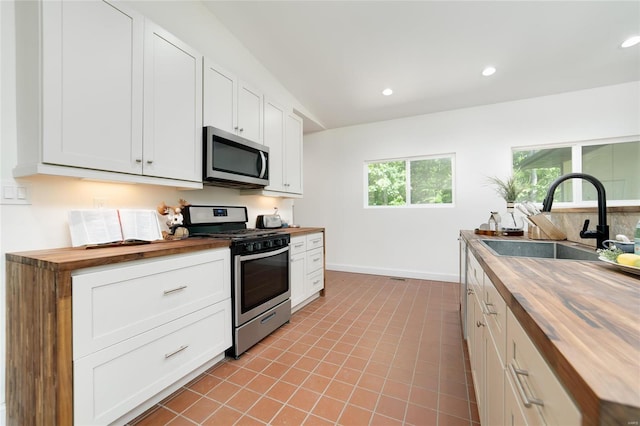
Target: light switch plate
column 15, row 193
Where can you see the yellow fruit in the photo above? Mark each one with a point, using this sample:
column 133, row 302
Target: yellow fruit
column 628, row 259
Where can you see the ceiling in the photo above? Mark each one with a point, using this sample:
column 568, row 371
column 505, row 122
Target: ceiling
column 336, row 57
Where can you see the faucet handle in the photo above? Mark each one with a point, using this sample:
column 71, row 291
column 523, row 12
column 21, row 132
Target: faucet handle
column 585, row 226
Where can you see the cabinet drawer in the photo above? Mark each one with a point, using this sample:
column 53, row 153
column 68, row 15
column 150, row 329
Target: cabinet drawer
column 112, row 382
column 495, row 310
column 535, row 381
column 111, row 304
column 298, row 245
column 315, row 282
column 475, row 274
column 315, row 240
column 315, row 260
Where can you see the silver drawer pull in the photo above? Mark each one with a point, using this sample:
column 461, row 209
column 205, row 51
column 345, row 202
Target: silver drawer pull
column 487, row 310
column 174, row 290
column 298, row 245
column 316, row 282
column 526, row 400
column 177, row 351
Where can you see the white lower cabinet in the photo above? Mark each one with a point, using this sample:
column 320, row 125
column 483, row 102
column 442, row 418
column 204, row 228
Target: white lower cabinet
column 139, row 328
column 306, row 268
column 513, row 383
column 541, row 397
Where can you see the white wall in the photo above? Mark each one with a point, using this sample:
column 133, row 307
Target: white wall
column 422, row 242
column 43, row 224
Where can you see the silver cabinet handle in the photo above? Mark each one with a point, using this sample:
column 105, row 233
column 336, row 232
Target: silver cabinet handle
column 138, row 160
column 526, row 399
column 479, row 324
column 149, row 161
column 470, row 291
column 298, row 245
column 487, row 310
column 174, row 290
column 177, row 351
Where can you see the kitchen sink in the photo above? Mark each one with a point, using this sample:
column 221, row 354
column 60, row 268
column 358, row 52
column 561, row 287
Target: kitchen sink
column 539, row 249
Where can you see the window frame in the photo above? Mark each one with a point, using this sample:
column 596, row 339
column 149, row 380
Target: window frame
column 576, row 166
column 450, row 155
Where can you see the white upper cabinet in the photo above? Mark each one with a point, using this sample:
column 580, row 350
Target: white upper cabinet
column 95, row 78
column 293, row 154
column 230, row 104
column 283, row 136
column 92, row 85
column 172, row 107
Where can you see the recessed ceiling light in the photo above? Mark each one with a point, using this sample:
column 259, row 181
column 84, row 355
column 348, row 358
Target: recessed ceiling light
column 387, row 92
column 631, row 41
column 488, row 71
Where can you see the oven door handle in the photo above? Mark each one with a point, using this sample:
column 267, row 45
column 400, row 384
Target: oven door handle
column 264, row 254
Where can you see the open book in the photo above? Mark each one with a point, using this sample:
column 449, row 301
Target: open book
column 113, row 227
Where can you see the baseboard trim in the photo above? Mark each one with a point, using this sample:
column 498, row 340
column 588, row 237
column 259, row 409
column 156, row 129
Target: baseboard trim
column 3, row 414
column 403, row 273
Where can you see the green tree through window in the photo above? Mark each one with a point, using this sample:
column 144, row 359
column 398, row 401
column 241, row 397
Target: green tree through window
column 405, row 182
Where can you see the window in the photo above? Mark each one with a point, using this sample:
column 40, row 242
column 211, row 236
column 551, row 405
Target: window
column 614, row 163
column 410, row 182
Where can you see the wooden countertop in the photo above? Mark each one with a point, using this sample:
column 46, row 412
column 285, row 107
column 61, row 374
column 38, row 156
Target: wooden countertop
column 71, row 258
column 584, row 317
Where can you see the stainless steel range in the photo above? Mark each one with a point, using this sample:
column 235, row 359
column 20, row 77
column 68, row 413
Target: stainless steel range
column 259, row 271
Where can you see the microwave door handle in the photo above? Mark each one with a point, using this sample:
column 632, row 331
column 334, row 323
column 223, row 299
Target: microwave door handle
column 263, row 170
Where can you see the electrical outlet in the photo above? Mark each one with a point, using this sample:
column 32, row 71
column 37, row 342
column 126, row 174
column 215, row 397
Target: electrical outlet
column 15, row 193
column 100, row 202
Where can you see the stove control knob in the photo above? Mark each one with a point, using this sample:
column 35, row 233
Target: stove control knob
column 257, row 246
column 277, row 242
column 268, row 244
column 248, row 247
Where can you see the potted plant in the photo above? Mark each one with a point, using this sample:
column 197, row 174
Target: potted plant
column 509, row 189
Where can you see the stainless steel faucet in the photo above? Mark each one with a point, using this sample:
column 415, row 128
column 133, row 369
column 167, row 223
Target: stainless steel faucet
column 602, row 230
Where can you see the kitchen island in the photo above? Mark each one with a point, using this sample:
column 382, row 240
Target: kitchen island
column 40, row 339
column 583, row 318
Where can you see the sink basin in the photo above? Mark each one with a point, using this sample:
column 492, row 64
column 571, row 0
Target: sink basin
column 540, row 249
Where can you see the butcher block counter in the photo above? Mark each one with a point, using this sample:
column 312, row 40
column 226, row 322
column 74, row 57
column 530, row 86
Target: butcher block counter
column 584, row 318
column 39, row 347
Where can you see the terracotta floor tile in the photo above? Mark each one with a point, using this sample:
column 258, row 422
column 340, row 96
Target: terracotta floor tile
column 420, row 416
column 313, row 420
column 446, row 419
column 241, row 377
column 371, row 382
column 289, row 416
column 391, row 407
column 222, row 416
column 364, row 398
column 396, row 389
column 295, row 376
column 261, row 383
column 156, row 416
column 353, row 415
column 257, row 364
column 328, row 408
column 423, row 397
column 326, row 369
column 316, row 383
column 243, row 400
column 380, row 420
column 201, row 409
column 275, row 370
column 304, row 399
column 223, row 392
column 247, row 420
column 453, row 406
column 180, row 421
column 204, row 384
column 265, row 409
column 181, row 400
column 281, row 391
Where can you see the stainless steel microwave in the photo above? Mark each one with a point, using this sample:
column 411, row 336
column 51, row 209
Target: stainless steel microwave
column 232, row 161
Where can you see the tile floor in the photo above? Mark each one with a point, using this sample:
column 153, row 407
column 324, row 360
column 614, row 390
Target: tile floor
column 375, row 350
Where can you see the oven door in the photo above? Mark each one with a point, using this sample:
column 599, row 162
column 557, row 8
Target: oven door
column 261, row 281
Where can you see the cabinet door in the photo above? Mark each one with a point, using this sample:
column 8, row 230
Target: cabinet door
column 92, row 85
column 250, row 116
column 274, row 131
column 220, row 97
column 477, row 355
column 298, row 276
column 293, row 154
column 494, row 376
column 172, row 107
